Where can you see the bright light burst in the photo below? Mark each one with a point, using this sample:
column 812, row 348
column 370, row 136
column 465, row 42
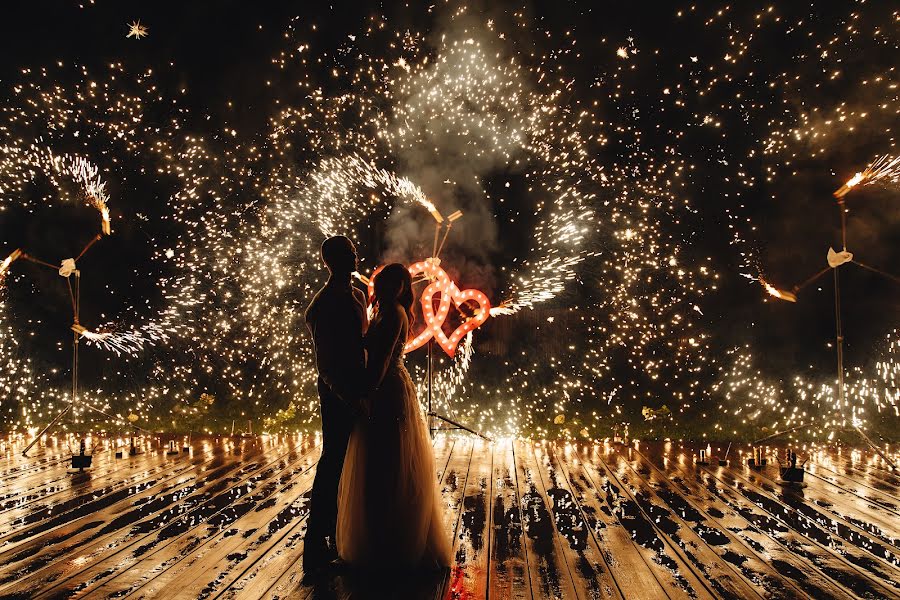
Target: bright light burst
column 479, row 122
column 884, row 170
column 571, row 186
column 67, row 145
column 825, row 95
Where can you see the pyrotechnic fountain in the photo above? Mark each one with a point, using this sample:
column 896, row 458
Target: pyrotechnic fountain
column 105, row 117
column 93, row 191
column 884, row 169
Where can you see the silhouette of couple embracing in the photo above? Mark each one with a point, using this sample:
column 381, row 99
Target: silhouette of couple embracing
column 375, row 501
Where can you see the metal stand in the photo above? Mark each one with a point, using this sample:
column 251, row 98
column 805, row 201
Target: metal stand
column 75, row 295
column 432, row 414
column 840, row 195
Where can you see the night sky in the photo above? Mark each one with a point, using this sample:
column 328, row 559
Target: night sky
column 216, row 59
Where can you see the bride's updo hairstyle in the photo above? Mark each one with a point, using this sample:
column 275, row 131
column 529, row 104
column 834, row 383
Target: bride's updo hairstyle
column 393, row 283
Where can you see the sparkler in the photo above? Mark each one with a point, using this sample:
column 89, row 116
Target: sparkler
column 774, row 291
column 885, row 169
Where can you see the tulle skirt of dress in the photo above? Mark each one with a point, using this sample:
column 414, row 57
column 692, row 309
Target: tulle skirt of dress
column 388, row 507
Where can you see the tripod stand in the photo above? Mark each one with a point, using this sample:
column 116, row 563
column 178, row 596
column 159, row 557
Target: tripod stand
column 433, row 415
column 835, row 261
column 68, row 270
column 430, row 272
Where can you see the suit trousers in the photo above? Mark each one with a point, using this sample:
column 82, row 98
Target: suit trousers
column 337, row 425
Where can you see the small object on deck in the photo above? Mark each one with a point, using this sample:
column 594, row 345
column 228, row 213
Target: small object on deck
column 172, row 448
column 789, row 471
column 792, row 474
column 759, row 458
column 83, row 460
column 704, row 457
column 620, row 438
column 723, row 462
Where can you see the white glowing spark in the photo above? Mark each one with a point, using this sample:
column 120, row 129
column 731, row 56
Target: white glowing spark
column 137, row 30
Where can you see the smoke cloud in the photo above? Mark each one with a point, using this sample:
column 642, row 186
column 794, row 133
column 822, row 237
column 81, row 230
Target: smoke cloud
column 456, row 134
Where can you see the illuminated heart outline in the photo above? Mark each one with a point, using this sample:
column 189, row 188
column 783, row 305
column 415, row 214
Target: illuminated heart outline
column 449, row 292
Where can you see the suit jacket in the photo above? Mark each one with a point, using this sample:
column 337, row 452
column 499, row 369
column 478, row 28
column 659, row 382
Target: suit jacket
column 337, row 319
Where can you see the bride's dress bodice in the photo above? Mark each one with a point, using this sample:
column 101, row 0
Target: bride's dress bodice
column 397, row 352
column 394, row 398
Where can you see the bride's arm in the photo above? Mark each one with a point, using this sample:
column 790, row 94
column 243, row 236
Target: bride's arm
column 380, row 341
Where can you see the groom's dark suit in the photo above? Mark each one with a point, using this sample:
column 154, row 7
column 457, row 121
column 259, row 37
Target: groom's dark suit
column 337, row 319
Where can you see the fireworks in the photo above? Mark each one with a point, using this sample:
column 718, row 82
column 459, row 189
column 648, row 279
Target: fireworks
column 137, row 30
column 807, row 109
column 422, row 130
column 774, row 291
column 79, row 133
column 883, row 170
column 590, row 194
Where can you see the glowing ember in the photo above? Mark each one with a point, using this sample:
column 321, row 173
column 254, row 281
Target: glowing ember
column 774, row 291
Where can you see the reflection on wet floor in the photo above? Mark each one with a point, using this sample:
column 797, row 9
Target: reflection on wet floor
column 226, row 518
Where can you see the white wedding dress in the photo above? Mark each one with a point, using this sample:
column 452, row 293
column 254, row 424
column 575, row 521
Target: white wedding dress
column 389, row 512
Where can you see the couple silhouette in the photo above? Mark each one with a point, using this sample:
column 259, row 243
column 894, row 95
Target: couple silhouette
column 375, row 502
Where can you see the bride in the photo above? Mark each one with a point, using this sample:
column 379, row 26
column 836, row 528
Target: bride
column 388, row 509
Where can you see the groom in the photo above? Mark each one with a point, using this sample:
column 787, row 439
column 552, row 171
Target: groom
column 337, row 319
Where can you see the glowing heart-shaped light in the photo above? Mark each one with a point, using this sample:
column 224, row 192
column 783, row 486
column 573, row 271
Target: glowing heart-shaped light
column 449, row 293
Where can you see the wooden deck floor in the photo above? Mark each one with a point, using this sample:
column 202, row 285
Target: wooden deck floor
column 528, row 520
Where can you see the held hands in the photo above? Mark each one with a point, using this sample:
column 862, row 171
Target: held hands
column 361, row 410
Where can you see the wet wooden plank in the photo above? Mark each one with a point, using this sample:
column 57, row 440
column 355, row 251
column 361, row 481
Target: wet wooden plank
column 280, row 572
column 625, row 560
column 871, row 499
column 857, row 542
column 622, row 526
column 169, row 526
column 190, row 526
column 845, row 505
column 798, row 534
column 42, row 557
column 469, row 573
column 644, row 529
column 690, row 506
column 79, row 498
column 693, row 486
column 508, row 577
column 119, row 523
column 588, row 566
column 720, row 574
column 864, row 463
column 217, row 563
column 51, row 487
column 548, row 569
column 216, row 518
